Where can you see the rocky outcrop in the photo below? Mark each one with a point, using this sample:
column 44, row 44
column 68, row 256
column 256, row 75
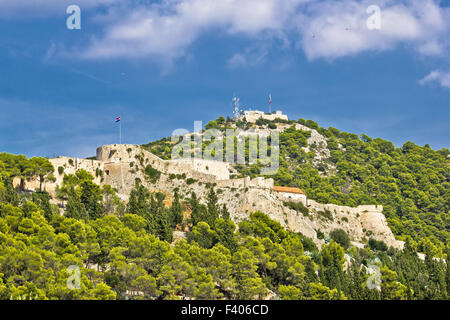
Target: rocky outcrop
column 360, row 223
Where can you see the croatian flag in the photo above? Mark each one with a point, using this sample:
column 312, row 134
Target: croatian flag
column 270, row 98
column 118, row 119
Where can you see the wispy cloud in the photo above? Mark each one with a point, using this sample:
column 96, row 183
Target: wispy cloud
column 250, row 57
column 170, row 27
column 442, row 78
column 333, row 29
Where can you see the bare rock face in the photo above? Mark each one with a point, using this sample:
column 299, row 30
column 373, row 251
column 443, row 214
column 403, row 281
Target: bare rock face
column 360, row 223
column 122, row 165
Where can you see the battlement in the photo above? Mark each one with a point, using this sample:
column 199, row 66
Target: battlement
column 198, row 168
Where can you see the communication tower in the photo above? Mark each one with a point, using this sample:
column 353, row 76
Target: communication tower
column 236, row 111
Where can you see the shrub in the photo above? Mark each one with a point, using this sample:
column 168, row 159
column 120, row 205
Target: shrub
column 341, row 237
column 98, row 172
column 377, row 245
column 60, row 170
column 297, row 206
column 160, row 196
column 190, row 181
column 320, row 234
column 152, row 173
column 326, row 213
column 308, row 243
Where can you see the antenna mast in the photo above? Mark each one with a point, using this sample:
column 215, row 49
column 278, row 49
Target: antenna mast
column 236, row 111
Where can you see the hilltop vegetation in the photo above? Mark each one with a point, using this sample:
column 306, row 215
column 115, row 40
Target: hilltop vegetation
column 412, row 182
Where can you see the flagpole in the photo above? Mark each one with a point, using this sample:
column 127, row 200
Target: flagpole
column 270, row 103
column 120, row 131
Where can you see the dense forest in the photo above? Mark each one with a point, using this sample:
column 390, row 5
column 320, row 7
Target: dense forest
column 128, row 252
column 411, row 182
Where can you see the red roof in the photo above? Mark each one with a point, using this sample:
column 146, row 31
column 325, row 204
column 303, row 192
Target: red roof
column 288, row 189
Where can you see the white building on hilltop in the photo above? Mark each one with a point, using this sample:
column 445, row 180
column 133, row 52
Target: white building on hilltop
column 252, row 116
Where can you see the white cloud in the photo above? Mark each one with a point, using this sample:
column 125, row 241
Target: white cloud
column 333, row 29
column 443, row 78
column 432, row 48
column 169, row 28
column 250, row 57
column 237, row 60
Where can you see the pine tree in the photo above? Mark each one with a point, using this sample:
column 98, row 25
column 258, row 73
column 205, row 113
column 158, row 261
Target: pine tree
column 176, row 211
column 9, row 194
column 198, row 210
column 225, row 233
column 356, row 285
column 91, row 197
column 332, row 260
column 140, row 205
column 42, row 199
column 162, row 226
column 213, row 210
column 75, row 208
column 224, row 213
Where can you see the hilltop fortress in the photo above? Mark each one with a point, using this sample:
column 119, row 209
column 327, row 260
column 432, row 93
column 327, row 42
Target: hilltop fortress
column 253, row 115
column 121, row 165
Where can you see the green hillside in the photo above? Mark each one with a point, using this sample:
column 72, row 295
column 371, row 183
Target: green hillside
column 412, row 182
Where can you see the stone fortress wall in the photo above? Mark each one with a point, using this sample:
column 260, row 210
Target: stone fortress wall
column 71, row 165
column 117, row 165
column 206, row 169
column 65, row 166
column 121, row 165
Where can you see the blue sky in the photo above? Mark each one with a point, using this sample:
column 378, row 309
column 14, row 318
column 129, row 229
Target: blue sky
column 160, row 65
